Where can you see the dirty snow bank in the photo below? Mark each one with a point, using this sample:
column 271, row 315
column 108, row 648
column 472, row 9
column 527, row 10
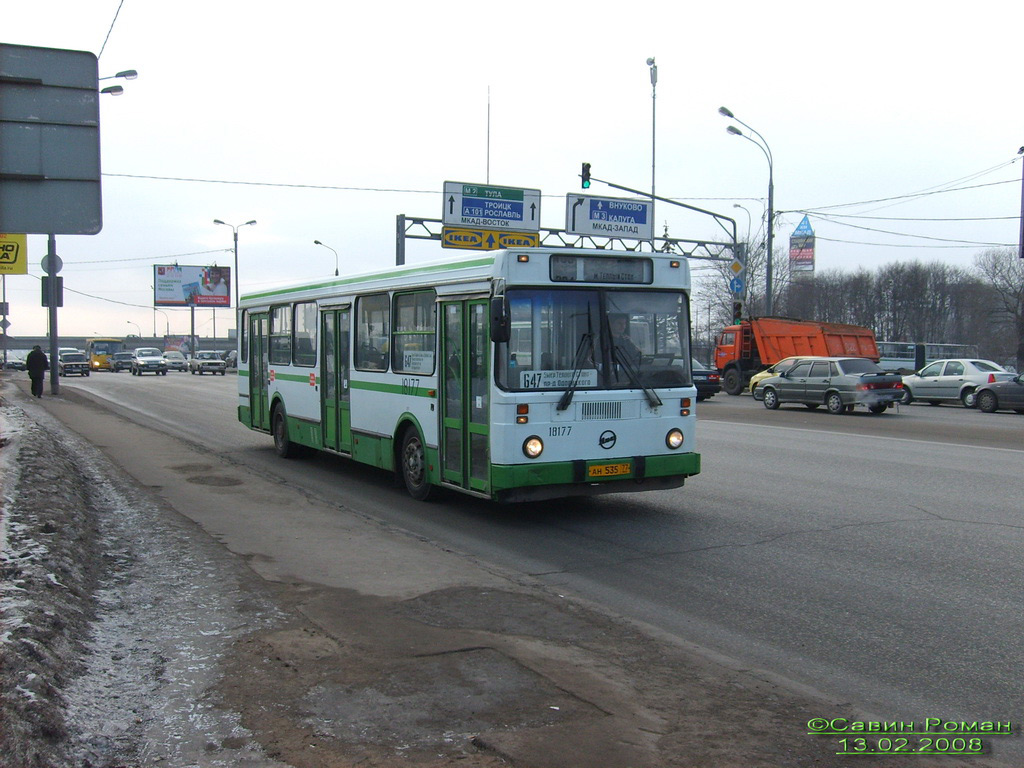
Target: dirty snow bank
column 113, row 614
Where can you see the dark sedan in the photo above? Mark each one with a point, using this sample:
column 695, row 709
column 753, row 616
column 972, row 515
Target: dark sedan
column 1001, row 395
column 838, row 383
column 707, row 381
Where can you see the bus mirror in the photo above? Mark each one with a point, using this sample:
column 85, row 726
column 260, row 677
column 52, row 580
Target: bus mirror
column 500, row 324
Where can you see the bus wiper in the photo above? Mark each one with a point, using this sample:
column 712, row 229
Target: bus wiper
column 585, row 346
column 634, row 377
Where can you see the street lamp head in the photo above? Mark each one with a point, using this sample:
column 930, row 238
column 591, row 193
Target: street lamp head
column 249, row 222
column 650, row 62
column 317, row 242
column 726, row 111
column 113, row 90
column 734, row 130
column 218, row 221
column 128, row 74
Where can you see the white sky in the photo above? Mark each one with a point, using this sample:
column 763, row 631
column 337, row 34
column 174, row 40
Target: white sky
column 858, row 102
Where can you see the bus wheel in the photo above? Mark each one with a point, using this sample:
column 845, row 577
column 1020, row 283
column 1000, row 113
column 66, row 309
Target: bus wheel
column 283, row 445
column 413, row 461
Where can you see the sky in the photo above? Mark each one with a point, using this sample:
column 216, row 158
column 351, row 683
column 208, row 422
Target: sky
column 325, row 120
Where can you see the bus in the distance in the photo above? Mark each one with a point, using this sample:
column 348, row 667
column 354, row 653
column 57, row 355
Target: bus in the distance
column 514, row 375
column 99, row 352
column 906, row 357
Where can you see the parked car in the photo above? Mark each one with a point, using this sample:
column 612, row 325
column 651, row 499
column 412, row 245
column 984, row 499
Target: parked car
column 121, row 361
column 231, row 358
column 72, row 364
column 14, row 364
column 148, row 360
column 207, row 362
column 175, row 361
column 774, row 370
column 1001, row 395
column 707, row 381
column 838, row 383
column 949, row 381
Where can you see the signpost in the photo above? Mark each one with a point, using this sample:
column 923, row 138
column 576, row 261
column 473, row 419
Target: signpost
column 480, row 206
column 49, row 153
column 609, row 217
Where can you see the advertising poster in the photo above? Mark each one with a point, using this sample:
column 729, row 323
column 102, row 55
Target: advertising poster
column 184, row 286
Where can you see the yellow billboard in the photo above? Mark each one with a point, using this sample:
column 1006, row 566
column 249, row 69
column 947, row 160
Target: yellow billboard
column 13, row 254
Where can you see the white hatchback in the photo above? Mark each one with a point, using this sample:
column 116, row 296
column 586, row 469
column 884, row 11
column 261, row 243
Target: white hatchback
column 949, row 381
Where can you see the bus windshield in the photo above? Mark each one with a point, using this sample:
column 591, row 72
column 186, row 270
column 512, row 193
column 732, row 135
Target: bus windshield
column 595, row 339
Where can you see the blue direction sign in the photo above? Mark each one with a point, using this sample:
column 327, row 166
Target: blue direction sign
column 485, row 206
column 736, row 285
column 608, row 217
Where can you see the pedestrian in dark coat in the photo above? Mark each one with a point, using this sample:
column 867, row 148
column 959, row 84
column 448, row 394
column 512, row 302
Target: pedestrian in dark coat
column 37, row 365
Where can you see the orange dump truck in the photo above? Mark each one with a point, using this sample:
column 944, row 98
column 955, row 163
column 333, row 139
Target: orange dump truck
column 757, row 342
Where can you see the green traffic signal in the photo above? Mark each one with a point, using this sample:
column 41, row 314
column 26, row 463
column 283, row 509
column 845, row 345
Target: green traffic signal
column 585, row 175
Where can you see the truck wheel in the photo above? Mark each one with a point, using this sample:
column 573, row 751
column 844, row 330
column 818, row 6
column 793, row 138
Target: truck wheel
column 834, row 403
column 732, row 382
column 770, row 398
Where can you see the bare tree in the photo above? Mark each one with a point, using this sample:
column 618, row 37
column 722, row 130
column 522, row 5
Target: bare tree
column 1003, row 272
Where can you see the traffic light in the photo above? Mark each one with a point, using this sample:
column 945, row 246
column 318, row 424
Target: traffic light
column 737, row 311
column 585, row 175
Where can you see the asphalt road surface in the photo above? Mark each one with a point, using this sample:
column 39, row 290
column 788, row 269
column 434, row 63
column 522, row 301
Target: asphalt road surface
column 875, row 559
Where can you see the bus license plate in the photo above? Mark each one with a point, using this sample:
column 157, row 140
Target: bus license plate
column 609, row 470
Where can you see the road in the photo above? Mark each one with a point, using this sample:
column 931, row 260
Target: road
column 874, row 559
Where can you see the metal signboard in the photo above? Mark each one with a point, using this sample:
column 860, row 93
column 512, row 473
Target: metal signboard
column 49, row 141
column 487, row 239
column 609, row 217
column 13, row 254
column 176, row 286
column 489, row 207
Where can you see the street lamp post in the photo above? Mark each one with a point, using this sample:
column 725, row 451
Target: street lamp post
column 654, row 89
column 745, row 210
column 137, row 328
column 763, row 146
column 317, row 242
column 117, row 90
column 234, row 231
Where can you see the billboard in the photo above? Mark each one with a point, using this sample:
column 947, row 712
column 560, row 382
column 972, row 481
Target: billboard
column 801, row 248
column 177, row 286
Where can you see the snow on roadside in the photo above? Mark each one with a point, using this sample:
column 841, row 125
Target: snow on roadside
column 114, row 614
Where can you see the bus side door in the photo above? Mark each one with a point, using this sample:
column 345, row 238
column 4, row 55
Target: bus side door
column 465, row 396
column 334, row 374
column 259, row 371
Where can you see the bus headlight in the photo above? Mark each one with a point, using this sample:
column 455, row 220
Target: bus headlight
column 533, row 447
column 674, row 438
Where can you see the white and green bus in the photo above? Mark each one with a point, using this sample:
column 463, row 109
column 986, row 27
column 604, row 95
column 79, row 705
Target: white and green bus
column 514, row 375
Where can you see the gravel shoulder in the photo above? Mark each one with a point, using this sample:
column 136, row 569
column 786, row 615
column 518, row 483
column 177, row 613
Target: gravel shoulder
column 143, row 625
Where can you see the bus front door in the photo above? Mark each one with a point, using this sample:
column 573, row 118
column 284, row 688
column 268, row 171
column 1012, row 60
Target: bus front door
column 334, row 374
column 465, row 401
column 259, row 377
